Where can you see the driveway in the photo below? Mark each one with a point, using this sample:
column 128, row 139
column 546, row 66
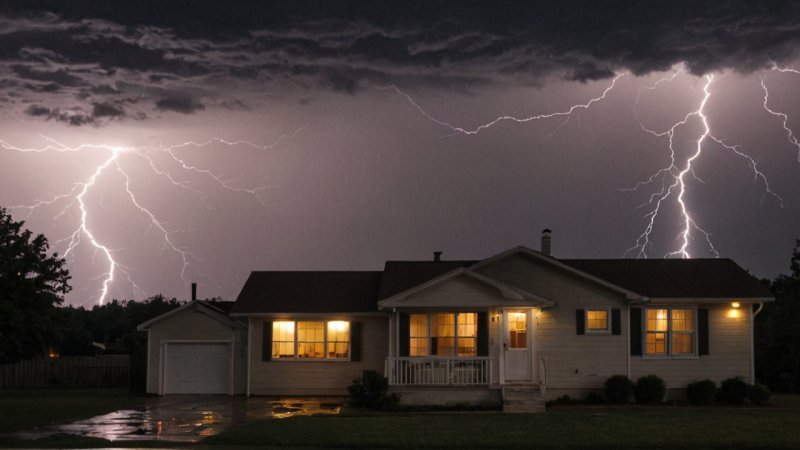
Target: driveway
column 187, row 418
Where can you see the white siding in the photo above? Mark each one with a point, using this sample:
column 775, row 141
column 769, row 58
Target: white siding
column 729, row 353
column 190, row 325
column 317, row 377
column 573, row 361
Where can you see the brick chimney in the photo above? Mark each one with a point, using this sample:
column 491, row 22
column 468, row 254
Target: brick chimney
column 437, row 256
column 194, row 291
column 546, row 241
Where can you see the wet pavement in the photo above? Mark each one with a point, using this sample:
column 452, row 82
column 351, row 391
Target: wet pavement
column 187, row 418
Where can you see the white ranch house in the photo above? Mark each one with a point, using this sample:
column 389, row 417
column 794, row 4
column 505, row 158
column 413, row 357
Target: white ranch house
column 517, row 329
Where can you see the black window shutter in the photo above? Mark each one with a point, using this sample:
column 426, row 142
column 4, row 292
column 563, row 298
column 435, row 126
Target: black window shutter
column 483, row 334
column 434, row 345
column 616, row 323
column 702, row 325
column 580, row 321
column 356, row 341
column 266, row 342
column 636, row 331
column 403, row 334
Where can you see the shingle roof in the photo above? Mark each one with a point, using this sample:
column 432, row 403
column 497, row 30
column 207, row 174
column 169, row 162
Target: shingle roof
column 675, row 278
column 308, row 292
column 340, row 292
column 399, row 276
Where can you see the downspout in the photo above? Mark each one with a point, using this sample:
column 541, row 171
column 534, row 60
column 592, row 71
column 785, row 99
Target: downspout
column 249, row 349
column 753, row 315
column 628, row 341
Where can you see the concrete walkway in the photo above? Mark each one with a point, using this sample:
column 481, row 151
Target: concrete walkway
column 187, row 418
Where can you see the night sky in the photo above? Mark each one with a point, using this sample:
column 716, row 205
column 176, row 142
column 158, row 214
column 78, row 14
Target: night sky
column 203, row 140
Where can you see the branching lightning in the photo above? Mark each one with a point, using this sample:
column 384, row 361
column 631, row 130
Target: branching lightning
column 784, row 118
column 76, row 197
column 673, row 179
column 565, row 114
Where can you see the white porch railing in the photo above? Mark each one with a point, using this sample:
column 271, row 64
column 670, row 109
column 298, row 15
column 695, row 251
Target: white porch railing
column 438, row 371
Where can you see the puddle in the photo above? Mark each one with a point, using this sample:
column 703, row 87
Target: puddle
column 187, row 418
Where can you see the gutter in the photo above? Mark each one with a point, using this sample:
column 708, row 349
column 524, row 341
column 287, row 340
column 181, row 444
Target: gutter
column 753, row 315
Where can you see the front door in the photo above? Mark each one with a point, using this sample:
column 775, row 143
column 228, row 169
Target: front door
column 517, row 345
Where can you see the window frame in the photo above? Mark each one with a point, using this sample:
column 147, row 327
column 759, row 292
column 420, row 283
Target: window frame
column 669, row 354
column 455, row 336
column 325, row 341
column 589, row 330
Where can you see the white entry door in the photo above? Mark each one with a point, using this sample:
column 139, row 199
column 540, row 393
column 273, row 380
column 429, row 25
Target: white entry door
column 517, row 345
column 197, row 368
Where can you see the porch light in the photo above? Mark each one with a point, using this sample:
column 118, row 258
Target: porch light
column 736, row 304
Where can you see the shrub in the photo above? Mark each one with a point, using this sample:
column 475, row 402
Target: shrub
column 701, row 392
column 732, row 390
column 594, row 398
column 758, row 394
column 618, row 389
column 649, row 389
column 372, row 391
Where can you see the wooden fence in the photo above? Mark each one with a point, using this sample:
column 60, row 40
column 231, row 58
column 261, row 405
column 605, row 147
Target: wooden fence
column 68, row 371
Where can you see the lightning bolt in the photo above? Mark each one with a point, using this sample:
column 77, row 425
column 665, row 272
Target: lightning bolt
column 782, row 116
column 76, row 197
column 673, row 178
column 566, row 114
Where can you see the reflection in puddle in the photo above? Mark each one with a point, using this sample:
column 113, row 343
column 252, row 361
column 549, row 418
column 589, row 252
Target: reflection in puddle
column 187, row 418
column 282, row 409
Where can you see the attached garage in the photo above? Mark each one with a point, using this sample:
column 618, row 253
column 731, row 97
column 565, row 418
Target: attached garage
column 195, row 349
column 197, row 367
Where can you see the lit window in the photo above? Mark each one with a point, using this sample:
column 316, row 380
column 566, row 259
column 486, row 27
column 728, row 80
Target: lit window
column 670, row 331
column 518, row 330
column 443, row 334
column 338, row 339
column 282, row 340
column 311, row 340
column 467, row 334
column 418, row 335
column 596, row 320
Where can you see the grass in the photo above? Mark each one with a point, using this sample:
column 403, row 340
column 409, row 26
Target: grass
column 24, row 409
column 658, row 427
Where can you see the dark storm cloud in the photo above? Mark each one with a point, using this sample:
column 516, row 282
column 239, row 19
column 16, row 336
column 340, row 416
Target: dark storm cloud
column 184, row 105
column 223, row 52
column 106, row 110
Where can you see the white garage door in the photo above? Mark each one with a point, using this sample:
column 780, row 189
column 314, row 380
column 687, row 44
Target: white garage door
column 197, row 368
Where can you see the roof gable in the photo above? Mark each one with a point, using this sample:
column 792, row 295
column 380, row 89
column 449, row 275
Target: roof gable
column 503, row 294
column 199, row 306
column 549, row 260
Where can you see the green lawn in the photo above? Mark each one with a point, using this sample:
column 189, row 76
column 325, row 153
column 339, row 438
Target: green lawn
column 664, row 427
column 23, row 409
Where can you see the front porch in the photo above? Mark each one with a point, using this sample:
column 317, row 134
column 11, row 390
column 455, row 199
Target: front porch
column 439, row 371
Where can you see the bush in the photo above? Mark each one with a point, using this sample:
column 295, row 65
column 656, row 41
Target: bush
column 649, row 389
column 732, row 390
column 758, row 394
column 618, row 389
column 372, row 391
column 701, row 392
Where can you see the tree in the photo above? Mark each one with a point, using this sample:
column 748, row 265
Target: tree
column 32, row 285
column 778, row 333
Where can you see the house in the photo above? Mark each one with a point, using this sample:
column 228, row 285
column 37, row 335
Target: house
column 519, row 327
